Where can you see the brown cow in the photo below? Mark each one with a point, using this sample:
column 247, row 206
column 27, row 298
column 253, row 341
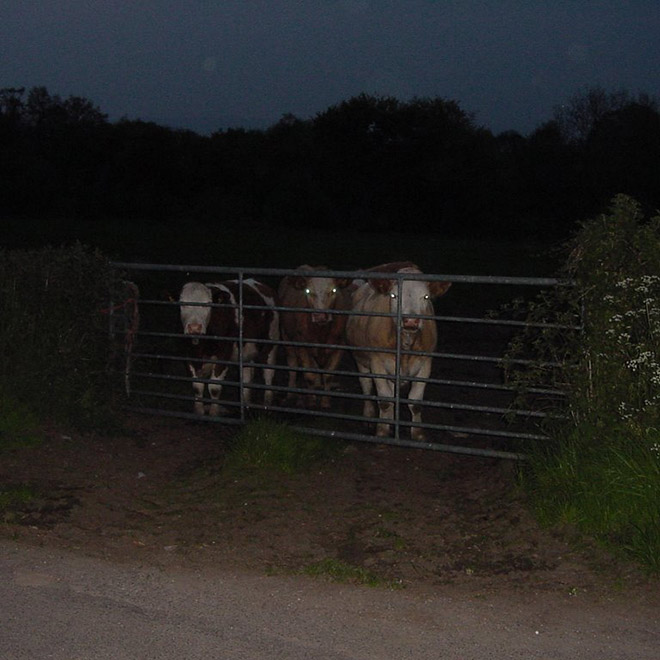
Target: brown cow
column 204, row 322
column 315, row 299
column 383, row 296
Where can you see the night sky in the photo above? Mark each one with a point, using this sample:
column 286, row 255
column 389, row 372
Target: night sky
column 209, row 65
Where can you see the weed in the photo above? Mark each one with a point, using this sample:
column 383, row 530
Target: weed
column 14, row 498
column 339, row 571
column 603, row 476
column 264, row 444
column 18, row 424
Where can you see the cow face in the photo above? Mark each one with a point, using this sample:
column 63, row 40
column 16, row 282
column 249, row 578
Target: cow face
column 321, row 295
column 194, row 314
column 415, row 298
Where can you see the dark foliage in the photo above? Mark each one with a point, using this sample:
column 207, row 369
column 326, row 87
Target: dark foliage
column 368, row 163
column 54, row 348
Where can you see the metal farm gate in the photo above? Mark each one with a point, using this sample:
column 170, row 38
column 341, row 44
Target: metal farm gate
column 468, row 408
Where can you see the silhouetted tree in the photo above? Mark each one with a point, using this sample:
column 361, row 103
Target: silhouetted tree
column 369, row 162
column 581, row 113
column 622, row 155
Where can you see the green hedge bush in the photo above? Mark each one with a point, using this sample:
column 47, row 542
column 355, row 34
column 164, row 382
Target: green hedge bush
column 603, row 473
column 54, row 343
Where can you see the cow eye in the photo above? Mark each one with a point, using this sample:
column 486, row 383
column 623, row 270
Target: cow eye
column 308, row 291
column 427, row 297
column 334, row 290
column 392, row 295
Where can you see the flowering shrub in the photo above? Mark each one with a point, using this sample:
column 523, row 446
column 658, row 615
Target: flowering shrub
column 633, row 340
column 616, row 263
column 603, row 473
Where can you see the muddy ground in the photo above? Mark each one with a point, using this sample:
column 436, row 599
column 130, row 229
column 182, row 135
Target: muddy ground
column 156, row 495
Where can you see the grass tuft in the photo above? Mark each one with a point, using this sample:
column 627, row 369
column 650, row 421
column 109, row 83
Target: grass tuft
column 264, row 444
column 14, row 498
column 19, row 426
column 339, row 571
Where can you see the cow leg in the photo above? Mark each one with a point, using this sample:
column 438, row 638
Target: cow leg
column 292, row 363
column 269, row 374
column 198, row 392
column 417, row 394
column 215, row 389
column 312, row 380
column 248, row 375
column 313, row 384
column 366, row 383
column 385, row 389
column 329, row 380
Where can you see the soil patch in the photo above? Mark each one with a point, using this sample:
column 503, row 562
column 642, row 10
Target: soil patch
column 156, row 494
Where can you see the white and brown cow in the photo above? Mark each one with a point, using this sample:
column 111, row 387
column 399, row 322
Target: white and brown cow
column 314, row 321
column 203, row 322
column 384, row 296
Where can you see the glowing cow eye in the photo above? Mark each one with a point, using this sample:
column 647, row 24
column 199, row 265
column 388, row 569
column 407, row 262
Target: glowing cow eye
column 308, row 291
column 392, row 295
column 427, row 297
column 334, row 290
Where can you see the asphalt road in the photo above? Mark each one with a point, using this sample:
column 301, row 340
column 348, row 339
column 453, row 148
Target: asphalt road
column 66, row 606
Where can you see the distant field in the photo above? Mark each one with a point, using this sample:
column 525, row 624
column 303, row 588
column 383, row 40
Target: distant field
column 254, row 245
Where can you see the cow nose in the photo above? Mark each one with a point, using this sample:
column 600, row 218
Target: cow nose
column 411, row 324
column 320, row 317
column 194, row 329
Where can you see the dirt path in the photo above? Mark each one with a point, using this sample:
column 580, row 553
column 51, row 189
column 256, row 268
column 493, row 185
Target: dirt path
column 148, row 612
column 402, row 518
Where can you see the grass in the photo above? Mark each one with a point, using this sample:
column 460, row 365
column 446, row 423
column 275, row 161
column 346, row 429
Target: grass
column 339, row 571
column 267, row 445
column 611, row 493
column 19, row 426
column 14, row 498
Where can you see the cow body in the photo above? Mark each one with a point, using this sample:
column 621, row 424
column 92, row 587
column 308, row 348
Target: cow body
column 315, row 299
column 384, row 296
column 203, row 322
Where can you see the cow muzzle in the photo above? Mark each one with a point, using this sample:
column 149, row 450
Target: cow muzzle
column 321, row 318
column 411, row 324
column 194, row 330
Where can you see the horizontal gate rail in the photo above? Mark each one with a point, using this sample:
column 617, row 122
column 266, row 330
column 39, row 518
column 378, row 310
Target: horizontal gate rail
column 367, row 349
column 161, row 335
column 435, row 381
column 352, row 396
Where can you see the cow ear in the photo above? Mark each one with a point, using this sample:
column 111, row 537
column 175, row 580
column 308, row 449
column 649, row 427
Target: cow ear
column 438, row 289
column 381, row 286
column 220, row 297
column 300, row 281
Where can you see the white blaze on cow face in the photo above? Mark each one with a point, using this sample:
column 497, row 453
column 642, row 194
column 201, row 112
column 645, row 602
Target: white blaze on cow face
column 414, row 296
column 195, row 317
column 321, row 293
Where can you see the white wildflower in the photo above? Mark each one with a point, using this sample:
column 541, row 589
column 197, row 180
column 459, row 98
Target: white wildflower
column 624, row 284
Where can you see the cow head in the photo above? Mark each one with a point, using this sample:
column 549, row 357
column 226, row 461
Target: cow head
column 415, row 297
column 321, row 293
column 195, row 313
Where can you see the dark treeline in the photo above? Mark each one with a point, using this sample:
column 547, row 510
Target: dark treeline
column 368, row 163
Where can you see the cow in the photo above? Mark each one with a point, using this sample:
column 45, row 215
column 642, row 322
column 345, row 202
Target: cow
column 204, row 323
column 313, row 321
column 379, row 295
